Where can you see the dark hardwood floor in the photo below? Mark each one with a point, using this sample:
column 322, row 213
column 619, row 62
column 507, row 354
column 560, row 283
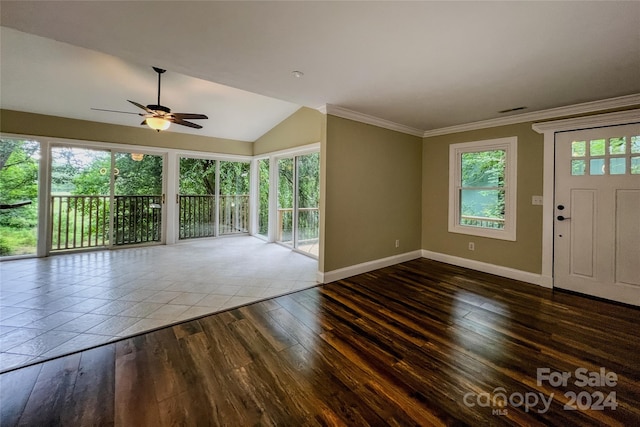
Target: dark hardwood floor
column 420, row 343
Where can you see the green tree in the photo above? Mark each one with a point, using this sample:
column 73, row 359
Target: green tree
column 482, row 182
column 18, row 184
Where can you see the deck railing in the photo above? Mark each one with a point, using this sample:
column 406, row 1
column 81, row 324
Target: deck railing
column 79, row 222
column 308, row 225
column 83, row 221
column 480, row 221
column 234, row 214
column 137, row 219
column 198, row 215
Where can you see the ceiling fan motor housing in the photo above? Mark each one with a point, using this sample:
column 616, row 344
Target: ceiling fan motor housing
column 159, row 108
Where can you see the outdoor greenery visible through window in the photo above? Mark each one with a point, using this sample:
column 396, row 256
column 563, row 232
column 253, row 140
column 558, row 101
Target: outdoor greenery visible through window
column 18, row 196
column 482, row 192
column 263, row 192
column 482, row 188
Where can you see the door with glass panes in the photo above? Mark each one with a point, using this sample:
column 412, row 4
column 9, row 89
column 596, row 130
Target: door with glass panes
column 597, row 212
column 298, row 213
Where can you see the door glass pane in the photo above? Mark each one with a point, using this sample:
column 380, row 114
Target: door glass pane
column 138, row 199
column 578, row 148
column 578, row 167
column 234, row 197
column 596, row 147
column 308, row 176
column 635, row 165
column 18, row 196
column 263, row 197
column 596, row 167
column 80, row 192
column 617, row 166
column 284, row 232
column 617, row 145
column 197, row 193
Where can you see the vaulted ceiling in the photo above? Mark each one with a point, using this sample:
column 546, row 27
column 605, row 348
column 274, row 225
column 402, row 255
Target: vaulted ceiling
column 426, row 65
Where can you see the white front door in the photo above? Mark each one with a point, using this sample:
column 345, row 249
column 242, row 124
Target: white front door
column 597, row 212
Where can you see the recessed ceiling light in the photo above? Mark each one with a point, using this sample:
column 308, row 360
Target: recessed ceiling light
column 297, row 74
column 510, row 110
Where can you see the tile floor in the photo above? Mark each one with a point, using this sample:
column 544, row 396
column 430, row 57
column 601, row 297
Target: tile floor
column 64, row 303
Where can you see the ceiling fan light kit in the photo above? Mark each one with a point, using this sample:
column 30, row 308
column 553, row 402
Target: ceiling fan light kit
column 157, row 123
column 158, row 117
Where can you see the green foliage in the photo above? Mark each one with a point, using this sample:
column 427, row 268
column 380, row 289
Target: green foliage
column 483, row 168
column 263, row 190
column 482, row 176
column 234, row 178
column 308, row 189
column 197, row 176
column 17, row 241
column 18, row 183
column 138, row 178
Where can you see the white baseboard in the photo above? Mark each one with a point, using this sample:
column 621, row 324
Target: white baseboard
column 511, row 273
column 343, row 273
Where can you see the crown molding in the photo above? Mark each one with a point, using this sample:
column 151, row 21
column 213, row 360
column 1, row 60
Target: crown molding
column 587, row 122
column 345, row 113
column 570, row 110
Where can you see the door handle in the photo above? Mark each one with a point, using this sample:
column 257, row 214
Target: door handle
column 562, row 218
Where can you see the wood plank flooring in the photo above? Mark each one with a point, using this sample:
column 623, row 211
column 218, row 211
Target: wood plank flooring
column 420, row 343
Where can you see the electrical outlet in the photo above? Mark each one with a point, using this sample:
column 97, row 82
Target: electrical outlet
column 536, row 200
column 472, row 246
column 397, row 243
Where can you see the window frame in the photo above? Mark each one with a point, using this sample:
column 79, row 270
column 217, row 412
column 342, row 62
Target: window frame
column 510, row 146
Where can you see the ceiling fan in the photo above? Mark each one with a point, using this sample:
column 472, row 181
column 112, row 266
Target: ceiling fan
column 159, row 117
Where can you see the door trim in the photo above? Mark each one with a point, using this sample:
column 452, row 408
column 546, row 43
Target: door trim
column 549, row 130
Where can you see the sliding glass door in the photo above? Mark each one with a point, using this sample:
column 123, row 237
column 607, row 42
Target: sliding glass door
column 101, row 198
column 234, row 197
column 197, row 198
column 80, row 198
column 213, row 198
column 307, row 213
column 298, row 202
column 138, row 199
column 284, row 230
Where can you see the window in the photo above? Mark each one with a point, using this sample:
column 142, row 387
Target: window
column 482, row 188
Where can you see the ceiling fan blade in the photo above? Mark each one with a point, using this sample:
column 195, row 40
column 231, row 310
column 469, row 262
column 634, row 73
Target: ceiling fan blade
column 189, row 116
column 141, row 106
column 184, row 123
column 116, row 111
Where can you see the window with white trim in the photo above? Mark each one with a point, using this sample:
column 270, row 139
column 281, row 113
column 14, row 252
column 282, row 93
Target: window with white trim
column 482, row 188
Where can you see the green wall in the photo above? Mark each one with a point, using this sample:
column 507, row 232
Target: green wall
column 301, row 128
column 19, row 122
column 372, row 193
column 523, row 254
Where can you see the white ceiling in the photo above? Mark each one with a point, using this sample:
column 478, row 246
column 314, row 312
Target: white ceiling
column 426, row 65
column 45, row 76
